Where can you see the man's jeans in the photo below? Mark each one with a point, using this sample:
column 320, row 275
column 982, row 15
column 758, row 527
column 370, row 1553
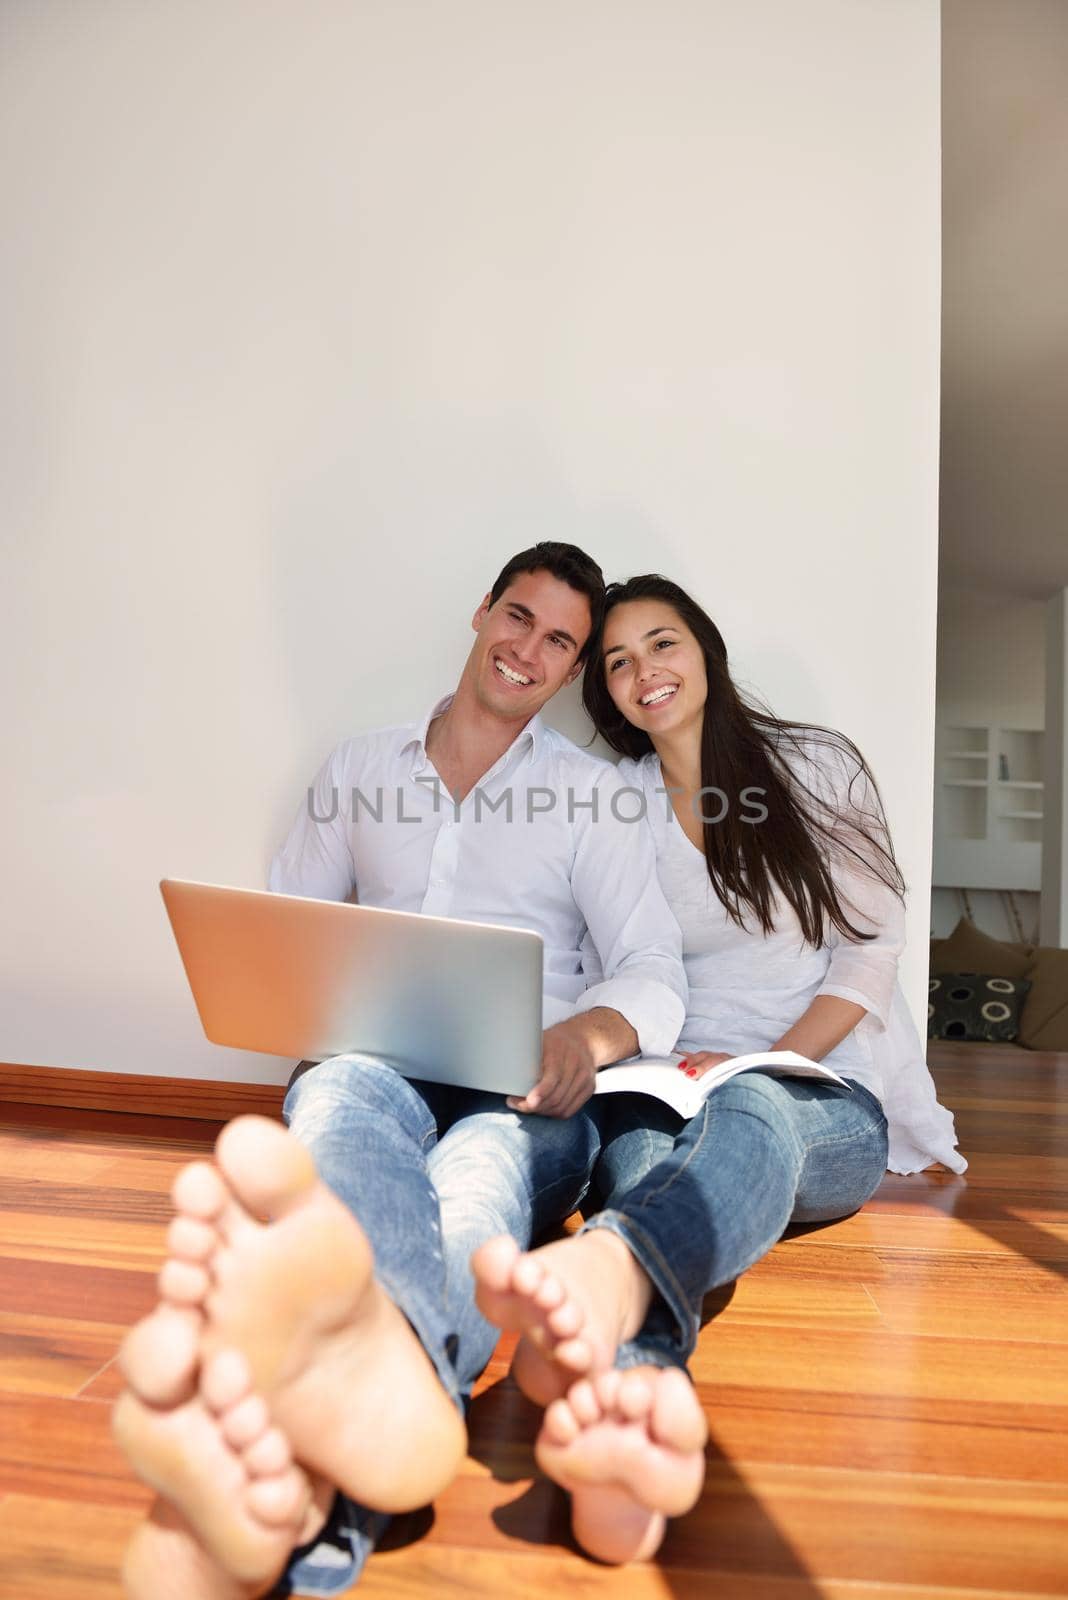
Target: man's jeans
column 431, row 1172
column 699, row 1202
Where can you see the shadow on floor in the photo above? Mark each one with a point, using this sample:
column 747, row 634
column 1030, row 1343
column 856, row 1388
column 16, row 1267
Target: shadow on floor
column 727, row 1534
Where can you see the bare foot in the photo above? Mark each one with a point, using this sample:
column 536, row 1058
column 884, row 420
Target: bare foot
column 342, row 1372
column 234, row 1503
column 574, row 1302
column 629, row 1447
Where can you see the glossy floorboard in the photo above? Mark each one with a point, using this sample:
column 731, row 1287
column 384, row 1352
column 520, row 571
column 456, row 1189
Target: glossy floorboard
column 887, row 1396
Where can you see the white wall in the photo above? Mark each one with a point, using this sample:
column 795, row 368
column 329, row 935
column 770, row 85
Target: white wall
column 991, row 658
column 1055, row 828
column 312, row 315
column 991, row 672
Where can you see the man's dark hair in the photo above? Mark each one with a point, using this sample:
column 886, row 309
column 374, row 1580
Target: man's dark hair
column 568, row 563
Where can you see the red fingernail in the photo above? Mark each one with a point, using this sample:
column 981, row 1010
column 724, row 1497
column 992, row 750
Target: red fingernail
column 691, row 1072
column 683, row 1065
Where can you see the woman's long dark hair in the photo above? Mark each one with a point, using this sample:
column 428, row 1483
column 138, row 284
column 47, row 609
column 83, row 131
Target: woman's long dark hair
column 745, row 747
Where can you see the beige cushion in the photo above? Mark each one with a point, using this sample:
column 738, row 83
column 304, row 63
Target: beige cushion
column 1044, row 1019
column 968, row 949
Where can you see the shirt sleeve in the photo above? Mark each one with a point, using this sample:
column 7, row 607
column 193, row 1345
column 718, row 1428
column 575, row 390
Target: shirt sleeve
column 316, row 858
column 863, row 971
column 634, row 946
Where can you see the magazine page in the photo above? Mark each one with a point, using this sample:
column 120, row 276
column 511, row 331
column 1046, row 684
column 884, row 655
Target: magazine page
column 661, row 1076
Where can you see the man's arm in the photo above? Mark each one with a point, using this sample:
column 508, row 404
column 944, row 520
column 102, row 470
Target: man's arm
column 638, row 1003
column 572, row 1051
column 316, row 858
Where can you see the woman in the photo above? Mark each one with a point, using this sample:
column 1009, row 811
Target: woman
column 774, row 855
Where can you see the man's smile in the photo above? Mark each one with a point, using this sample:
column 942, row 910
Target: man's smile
column 511, row 675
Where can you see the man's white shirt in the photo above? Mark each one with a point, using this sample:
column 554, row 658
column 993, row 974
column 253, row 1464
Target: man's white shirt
column 550, row 838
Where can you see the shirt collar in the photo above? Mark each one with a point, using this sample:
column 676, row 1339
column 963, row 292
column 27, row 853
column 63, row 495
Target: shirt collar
column 416, row 742
column 532, row 736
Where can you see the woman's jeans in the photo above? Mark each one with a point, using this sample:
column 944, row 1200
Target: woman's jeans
column 698, row 1202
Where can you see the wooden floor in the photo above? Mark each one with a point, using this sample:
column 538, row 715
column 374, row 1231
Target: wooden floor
column 888, row 1395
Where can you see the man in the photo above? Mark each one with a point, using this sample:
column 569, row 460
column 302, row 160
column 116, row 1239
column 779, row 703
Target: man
column 333, row 1346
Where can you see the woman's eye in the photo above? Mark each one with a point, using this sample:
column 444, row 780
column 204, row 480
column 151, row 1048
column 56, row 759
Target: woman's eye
column 663, row 643
column 618, row 662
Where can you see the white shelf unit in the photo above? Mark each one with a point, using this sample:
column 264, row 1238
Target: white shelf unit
column 988, row 808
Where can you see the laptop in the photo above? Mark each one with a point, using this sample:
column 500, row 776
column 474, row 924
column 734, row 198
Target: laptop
column 449, row 1001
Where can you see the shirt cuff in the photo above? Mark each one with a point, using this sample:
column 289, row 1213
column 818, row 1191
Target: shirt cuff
column 655, row 1012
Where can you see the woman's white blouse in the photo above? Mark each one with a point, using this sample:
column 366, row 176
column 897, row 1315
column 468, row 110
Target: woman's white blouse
column 747, row 988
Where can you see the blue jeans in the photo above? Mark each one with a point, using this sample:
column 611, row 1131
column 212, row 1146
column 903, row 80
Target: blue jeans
column 699, row 1202
column 431, row 1172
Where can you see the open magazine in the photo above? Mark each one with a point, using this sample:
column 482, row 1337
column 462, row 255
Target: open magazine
column 662, row 1078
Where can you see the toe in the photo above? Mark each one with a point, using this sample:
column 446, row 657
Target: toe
column 234, row 1223
column 550, row 1293
column 183, row 1283
column 159, row 1356
column 190, row 1239
column 492, row 1263
column 278, row 1501
column 199, row 1191
column 573, row 1355
column 565, row 1320
column 678, row 1419
column 267, row 1168
column 582, row 1398
column 635, row 1398
column 559, row 1425
column 268, row 1455
column 245, row 1422
column 527, row 1276
column 225, row 1379
column 607, row 1385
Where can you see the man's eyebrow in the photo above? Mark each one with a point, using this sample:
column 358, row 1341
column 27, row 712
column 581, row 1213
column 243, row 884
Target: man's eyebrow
column 561, row 633
column 667, row 628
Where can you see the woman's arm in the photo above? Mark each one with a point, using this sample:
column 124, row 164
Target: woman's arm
column 825, row 1024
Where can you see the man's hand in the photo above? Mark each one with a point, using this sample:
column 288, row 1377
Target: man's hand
column 571, row 1052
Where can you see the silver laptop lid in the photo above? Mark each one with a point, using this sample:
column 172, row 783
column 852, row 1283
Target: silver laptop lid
column 449, row 1001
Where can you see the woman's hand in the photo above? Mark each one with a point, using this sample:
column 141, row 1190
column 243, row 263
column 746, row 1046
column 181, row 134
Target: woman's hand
column 702, row 1061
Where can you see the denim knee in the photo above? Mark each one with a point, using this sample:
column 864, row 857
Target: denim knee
column 766, row 1099
column 343, row 1085
column 512, row 1172
column 517, row 1134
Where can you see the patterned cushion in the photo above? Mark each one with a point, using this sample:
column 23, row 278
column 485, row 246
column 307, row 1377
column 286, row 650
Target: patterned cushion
column 968, row 1005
